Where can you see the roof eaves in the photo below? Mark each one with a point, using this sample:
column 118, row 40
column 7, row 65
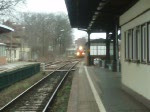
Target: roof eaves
column 6, row 27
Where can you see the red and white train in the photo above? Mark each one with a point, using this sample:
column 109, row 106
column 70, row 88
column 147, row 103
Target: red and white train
column 80, row 52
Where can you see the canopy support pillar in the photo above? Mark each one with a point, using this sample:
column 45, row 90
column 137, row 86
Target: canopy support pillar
column 115, row 48
column 107, row 60
column 88, row 50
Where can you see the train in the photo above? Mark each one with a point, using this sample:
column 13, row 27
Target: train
column 80, row 53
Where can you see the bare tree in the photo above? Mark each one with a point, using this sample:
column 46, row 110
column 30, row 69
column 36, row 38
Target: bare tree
column 80, row 41
column 7, row 7
column 47, row 34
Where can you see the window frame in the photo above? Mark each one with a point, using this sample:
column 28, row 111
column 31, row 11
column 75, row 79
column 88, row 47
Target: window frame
column 130, row 45
column 136, row 44
column 138, row 36
column 126, row 46
column 148, row 42
column 143, row 43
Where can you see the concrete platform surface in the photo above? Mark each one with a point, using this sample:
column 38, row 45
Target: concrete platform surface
column 96, row 89
column 14, row 65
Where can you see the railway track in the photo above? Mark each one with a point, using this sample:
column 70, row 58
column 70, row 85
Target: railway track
column 39, row 96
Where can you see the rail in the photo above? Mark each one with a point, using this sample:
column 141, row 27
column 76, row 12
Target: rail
column 39, row 91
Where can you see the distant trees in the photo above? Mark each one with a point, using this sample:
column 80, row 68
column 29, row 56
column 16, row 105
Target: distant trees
column 47, row 34
column 7, row 7
column 80, row 41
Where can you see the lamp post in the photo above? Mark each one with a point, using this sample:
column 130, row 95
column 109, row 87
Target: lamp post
column 22, row 43
column 60, row 40
column 10, row 46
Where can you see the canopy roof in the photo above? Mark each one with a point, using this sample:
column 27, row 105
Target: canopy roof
column 2, row 44
column 101, row 40
column 5, row 29
column 96, row 15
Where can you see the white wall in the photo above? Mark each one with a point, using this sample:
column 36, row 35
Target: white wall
column 17, row 53
column 135, row 76
column 137, row 9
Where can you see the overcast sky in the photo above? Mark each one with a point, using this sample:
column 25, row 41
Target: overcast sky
column 46, row 6
column 54, row 6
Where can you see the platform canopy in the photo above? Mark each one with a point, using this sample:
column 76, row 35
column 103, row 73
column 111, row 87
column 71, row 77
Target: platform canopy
column 96, row 15
column 5, row 29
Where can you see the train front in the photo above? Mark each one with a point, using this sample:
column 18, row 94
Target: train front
column 80, row 52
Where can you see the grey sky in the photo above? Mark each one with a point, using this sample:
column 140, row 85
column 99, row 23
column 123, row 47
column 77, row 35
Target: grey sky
column 54, row 6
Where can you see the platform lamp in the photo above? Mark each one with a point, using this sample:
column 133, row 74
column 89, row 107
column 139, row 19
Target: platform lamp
column 60, row 39
column 10, row 47
column 22, row 43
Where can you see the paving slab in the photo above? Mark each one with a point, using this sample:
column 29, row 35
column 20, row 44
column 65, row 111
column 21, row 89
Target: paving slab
column 113, row 97
column 108, row 87
column 81, row 96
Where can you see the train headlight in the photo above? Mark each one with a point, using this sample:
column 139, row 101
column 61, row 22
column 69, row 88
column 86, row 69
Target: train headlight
column 80, row 48
column 83, row 53
column 78, row 53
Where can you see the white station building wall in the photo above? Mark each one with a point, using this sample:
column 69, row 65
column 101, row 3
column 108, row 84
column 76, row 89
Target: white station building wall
column 136, row 73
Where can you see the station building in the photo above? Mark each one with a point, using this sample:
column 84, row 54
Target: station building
column 3, row 58
column 2, row 53
column 71, row 51
column 135, row 50
column 133, row 18
column 98, row 49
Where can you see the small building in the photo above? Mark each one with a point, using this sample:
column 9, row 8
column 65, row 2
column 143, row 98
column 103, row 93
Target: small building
column 24, row 53
column 12, row 49
column 135, row 51
column 3, row 29
column 98, row 49
column 71, row 51
column 16, row 48
column 2, row 53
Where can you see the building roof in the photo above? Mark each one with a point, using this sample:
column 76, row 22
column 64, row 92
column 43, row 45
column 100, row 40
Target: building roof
column 96, row 15
column 2, row 44
column 101, row 40
column 5, row 29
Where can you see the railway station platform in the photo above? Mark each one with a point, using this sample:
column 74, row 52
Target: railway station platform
column 14, row 65
column 96, row 89
column 13, row 72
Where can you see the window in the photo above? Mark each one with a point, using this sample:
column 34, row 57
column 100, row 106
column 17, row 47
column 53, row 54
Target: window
column 2, row 50
column 143, row 43
column 136, row 43
column 111, row 49
column 138, row 37
column 101, row 50
column 126, row 46
column 14, row 53
column 130, row 39
column 148, row 42
column 93, row 50
column 98, row 49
